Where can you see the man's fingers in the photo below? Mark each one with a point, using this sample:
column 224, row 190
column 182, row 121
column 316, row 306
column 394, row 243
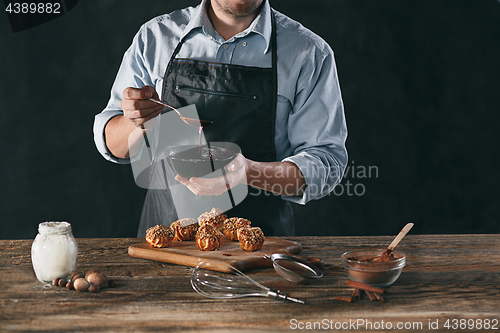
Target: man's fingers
column 182, row 180
column 204, row 182
column 232, row 167
column 217, row 185
column 136, row 106
column 139, row 108
column 235, row 175
column 153, row 114
column 236, row 164
column 139, row 93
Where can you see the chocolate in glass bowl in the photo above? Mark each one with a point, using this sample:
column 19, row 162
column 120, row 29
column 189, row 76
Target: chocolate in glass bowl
column 198, row 161
column 379, row 273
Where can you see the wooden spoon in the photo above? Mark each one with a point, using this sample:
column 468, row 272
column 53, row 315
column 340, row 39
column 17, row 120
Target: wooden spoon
column 394, row 243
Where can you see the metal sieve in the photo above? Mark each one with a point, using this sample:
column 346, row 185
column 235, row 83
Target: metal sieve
column 294, row 269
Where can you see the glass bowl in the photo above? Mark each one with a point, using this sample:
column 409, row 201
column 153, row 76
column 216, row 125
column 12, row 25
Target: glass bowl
column 195, row 161
column 377, row 274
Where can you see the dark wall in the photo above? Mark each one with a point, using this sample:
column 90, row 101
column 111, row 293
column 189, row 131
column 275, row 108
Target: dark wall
column 420, row 83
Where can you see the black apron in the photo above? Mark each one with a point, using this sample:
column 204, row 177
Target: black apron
column 241, row 101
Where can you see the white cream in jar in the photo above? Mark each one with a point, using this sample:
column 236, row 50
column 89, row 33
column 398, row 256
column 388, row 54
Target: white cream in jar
column 54, row 251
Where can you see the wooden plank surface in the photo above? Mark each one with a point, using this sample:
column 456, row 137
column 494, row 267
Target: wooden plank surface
column 188, row 254
column 448, row 278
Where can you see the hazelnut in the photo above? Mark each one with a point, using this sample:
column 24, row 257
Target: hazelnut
column 62, row 283
column 77, row 276
column 55, row 282
column 97, row 278
column 93, row 288
column 90, row 271
column 81, row 284
column 70, row 286
column 73, row 273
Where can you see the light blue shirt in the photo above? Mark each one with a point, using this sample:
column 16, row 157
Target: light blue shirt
column 310, row 123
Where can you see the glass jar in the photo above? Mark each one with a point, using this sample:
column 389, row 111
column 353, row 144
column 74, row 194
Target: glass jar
column 54, row 251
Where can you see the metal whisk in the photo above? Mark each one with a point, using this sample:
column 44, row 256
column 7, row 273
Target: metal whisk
column 218, row 285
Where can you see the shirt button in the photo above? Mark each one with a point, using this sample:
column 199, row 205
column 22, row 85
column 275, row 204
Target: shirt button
column 225, row 46
column 244, row 43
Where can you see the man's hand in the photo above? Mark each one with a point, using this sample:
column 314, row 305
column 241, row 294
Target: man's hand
column 234, row 174
column 124, row 134
column 283, row 178
column 136, row 106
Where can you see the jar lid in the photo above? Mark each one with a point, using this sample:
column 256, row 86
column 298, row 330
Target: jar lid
column 53, row 227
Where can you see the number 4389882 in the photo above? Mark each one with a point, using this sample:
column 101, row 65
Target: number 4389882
column 33, row 8
column 477, row 324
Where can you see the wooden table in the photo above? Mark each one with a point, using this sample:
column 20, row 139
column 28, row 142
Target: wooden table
column 450, row 279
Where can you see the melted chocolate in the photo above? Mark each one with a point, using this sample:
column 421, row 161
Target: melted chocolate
column 204, row 153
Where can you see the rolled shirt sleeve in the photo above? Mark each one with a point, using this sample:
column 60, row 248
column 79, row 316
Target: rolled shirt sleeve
column 317, row 128
column 133, row 72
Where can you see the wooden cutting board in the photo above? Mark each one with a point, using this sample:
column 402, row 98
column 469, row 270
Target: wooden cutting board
column 188, row 254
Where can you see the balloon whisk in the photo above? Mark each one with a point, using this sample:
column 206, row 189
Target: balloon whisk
column 222, row 285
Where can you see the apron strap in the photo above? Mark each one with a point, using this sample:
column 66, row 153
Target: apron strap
column 274, row 41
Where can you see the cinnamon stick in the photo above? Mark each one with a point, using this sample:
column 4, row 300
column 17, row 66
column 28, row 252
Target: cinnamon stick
column 370, row 295
column 354, row 295
column 345, row 299
column 379, row 297
column 365, row 287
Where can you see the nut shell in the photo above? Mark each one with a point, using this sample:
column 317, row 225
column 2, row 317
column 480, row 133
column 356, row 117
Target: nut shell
column 75, row 273
column 77, row 276
column 81, row 284
column 93, row 288
column 97, row 278
column 90, row 271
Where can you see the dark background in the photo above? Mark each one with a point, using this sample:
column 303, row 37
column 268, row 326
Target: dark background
column 420, row 84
